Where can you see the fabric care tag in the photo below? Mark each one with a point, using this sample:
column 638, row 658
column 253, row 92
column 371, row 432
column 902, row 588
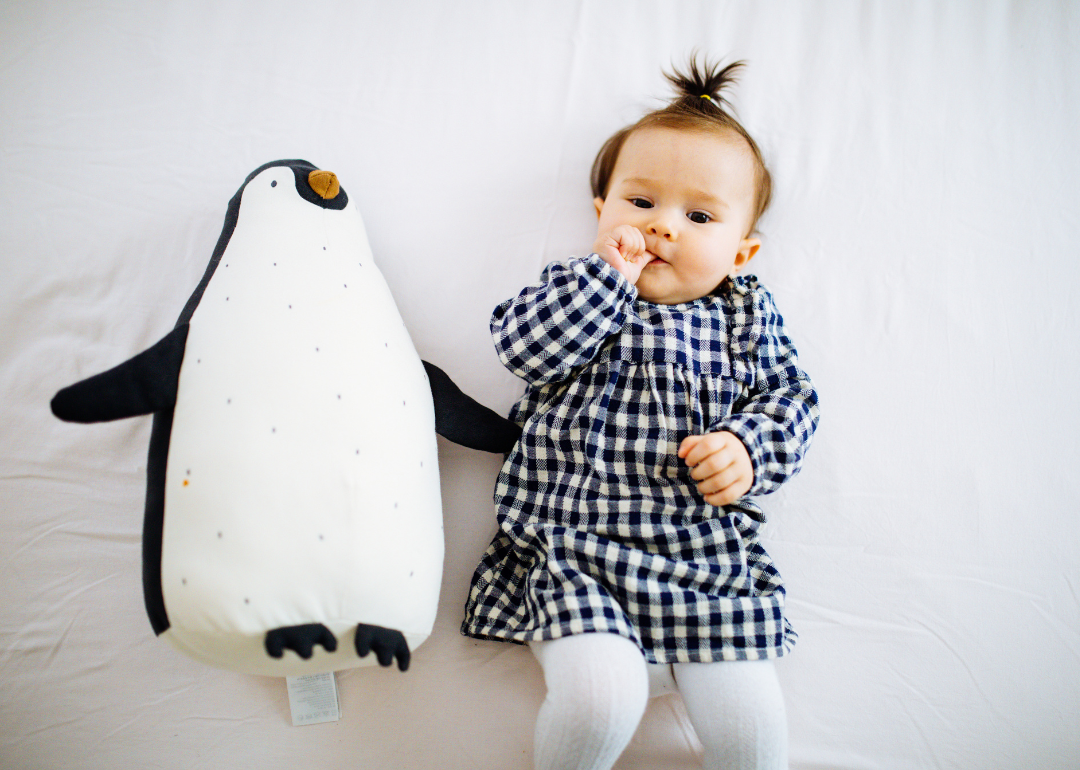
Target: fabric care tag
column 313, row 699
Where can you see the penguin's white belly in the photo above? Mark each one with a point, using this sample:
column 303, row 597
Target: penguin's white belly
column 302, row 482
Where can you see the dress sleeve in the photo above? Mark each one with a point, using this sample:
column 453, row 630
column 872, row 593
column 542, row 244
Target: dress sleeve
column 562, row 322
column 777, row 418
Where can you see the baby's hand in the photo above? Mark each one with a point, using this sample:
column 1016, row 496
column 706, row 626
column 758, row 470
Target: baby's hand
column 624, row 249
column 721, row 466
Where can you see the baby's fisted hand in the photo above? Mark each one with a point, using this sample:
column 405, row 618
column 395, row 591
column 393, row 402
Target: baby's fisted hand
column 720, row 465
column 623, row 248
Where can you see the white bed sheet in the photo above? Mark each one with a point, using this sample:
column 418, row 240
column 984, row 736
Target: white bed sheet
column 923, row 246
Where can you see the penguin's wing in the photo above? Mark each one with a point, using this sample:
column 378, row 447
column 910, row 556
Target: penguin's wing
column 464, row 421
column 141, row 385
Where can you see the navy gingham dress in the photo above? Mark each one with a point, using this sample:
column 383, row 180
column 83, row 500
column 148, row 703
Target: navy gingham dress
column 601, row 528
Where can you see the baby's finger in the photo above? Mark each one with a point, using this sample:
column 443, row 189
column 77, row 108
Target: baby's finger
column 702, row 448
column 631, row 243
column 718, row 482
column 728, row 494
column 687, row 444
column 720, row 499
column 715, row 463
column 739, row 486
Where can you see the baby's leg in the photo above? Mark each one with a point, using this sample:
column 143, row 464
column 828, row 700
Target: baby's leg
column 737, row 710
column 598, row 686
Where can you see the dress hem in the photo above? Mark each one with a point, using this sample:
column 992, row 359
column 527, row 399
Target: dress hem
column 548, row 634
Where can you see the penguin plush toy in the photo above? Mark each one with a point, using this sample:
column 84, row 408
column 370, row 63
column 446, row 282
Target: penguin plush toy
column 293, row 519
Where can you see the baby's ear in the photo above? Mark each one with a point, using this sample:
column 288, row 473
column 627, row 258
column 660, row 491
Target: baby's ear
column 598, row 203
column 747, row 249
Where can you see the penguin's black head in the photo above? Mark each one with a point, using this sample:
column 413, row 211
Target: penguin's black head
column 312, row 183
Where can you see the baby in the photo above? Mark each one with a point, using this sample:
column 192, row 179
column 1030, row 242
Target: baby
column 662, row 392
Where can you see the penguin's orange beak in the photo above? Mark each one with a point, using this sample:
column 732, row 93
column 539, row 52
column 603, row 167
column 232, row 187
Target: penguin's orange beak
column 325, row 183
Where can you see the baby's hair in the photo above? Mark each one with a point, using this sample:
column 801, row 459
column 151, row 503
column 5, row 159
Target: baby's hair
column 699, row 106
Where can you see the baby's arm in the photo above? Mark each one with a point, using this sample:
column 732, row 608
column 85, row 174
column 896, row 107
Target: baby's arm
column 769, row 431
column 562, row 322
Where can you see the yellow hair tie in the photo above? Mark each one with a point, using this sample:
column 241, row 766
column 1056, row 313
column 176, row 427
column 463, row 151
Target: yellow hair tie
column 706, row 96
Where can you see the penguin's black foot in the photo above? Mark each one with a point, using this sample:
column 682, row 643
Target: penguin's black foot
column 299, row 639
column 386, row 642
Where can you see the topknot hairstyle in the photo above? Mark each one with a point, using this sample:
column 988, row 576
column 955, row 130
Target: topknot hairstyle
column 699, row 106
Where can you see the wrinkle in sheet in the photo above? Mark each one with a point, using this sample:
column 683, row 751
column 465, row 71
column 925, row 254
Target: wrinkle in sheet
column 65, row 529
column 1072, row 590
column 839, row 618
column 50, row 656
column 906, row 681
column 1066, row 634
column 928, row 743
column 61, row 598
column 122, row 727
column 53, row 726
column 962, row 660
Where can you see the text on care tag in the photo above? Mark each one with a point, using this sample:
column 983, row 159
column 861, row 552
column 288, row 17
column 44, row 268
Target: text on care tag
column 313, row 699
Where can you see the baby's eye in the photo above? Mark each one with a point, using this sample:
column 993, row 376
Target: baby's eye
column 641, row 203
column 700, row 217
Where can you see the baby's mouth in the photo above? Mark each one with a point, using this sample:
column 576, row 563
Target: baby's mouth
column 651, row 257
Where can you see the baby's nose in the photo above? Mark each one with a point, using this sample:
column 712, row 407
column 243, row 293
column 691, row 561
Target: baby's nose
column 660, row 229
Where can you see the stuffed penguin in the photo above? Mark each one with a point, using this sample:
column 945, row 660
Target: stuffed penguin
column 293, row 520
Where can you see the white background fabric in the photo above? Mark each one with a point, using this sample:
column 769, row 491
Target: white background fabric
column 923, row 247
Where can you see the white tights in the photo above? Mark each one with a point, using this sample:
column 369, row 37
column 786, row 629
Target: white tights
column 598, row 686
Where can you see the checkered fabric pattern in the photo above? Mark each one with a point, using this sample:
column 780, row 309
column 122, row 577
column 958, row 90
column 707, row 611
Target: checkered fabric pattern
column 601, row 528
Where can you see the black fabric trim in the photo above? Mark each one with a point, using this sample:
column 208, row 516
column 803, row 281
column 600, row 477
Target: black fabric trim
column 154, row 521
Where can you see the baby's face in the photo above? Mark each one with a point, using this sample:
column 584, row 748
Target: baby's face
column 691, row 194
